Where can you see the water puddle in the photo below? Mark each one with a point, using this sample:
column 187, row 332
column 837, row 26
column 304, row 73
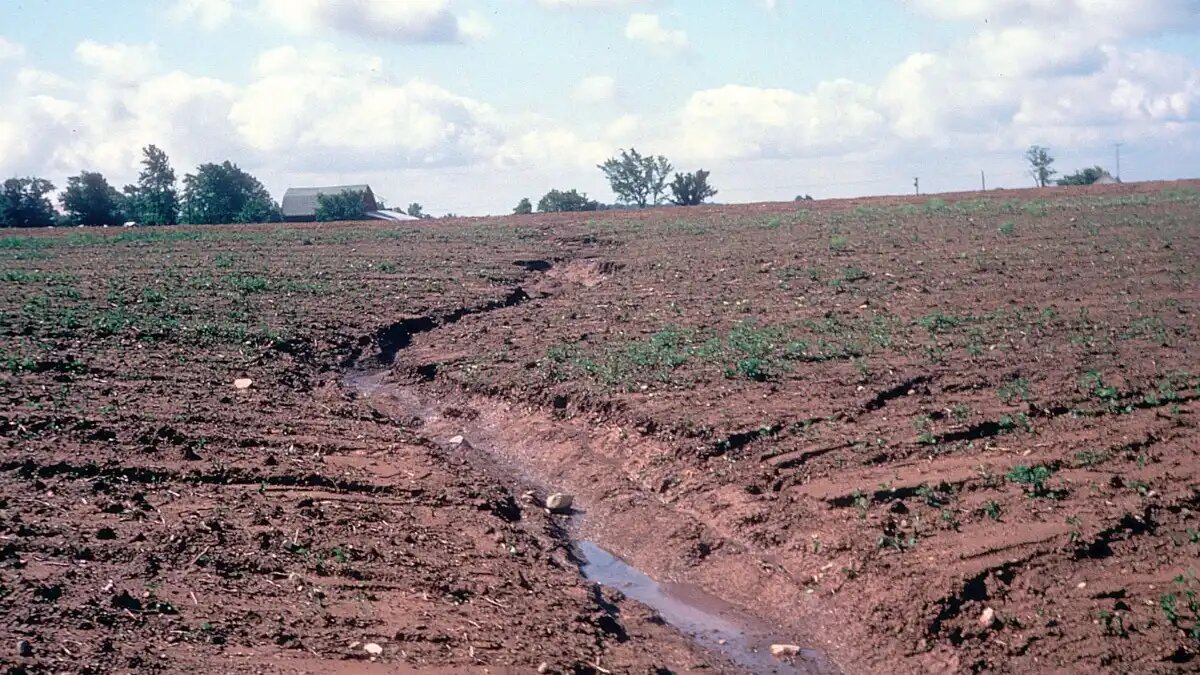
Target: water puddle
column 709, row 620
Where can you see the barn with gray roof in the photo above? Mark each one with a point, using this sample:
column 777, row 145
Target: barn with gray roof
column 300, row 204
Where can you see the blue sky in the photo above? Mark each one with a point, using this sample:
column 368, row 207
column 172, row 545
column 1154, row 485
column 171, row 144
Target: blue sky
column 467, row 106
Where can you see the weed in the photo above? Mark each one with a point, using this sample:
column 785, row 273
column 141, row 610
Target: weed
column 1018, row 388
column 1113, row 623
column 992, row 510
column 939, row 322
column 247, row 283
column 1092, row 457
column 1008, row 228
column 935, row 496
column 923, row 426
column 1033, row 478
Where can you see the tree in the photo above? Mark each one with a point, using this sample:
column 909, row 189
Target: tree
column 154, row 200
column 556, row 201
column 23, row 203
column 416, row 211
column 90, row 200
column 1085, row 176
column 523, row 207
column 349, row 205
column 637, row 179
column 1039, row 164
column 223, row 193
column 690, row 189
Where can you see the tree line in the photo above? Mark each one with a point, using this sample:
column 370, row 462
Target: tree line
column 214, row 193
column 1041, row 168
column 637, row 180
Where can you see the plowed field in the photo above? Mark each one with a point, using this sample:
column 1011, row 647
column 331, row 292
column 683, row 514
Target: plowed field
column 912, row 435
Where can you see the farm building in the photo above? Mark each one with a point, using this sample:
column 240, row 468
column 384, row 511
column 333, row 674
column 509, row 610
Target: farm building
column 300, row 204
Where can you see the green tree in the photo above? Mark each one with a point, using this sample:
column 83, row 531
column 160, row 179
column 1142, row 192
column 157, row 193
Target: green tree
column 223, row 193
column 556, row 201
column 1085, row 176
column 636, row 179
column 690, row 189
column 23, row 203
column 416, row 211
column 523, row 207
column 1039, row 164
column 154, row 200
column 349, row 205
column 90, row 200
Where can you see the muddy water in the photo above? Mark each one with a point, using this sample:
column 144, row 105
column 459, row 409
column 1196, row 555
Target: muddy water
column 709, row 620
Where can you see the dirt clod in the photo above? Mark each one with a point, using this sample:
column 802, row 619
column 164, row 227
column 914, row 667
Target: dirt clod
column 559, row 502
column 783, row 651
column 987, row 617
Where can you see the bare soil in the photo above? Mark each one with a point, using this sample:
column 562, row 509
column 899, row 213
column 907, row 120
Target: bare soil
column 915, row 435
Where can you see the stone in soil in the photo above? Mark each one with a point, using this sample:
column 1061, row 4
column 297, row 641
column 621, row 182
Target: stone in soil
column 559, row 502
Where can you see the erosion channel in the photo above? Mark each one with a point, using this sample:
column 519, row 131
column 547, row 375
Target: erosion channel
column 544, row 455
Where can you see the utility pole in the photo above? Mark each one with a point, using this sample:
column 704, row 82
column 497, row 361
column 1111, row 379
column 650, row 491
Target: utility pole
column 917, row 185
column 982, row 180
column 1118, row 146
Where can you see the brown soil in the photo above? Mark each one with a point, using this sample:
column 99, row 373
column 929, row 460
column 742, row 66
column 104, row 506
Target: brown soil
column 865, row 422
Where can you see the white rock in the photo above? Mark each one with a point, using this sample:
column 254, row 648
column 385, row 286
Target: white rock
column 372, row 649
column 559, row 502
column 784, row 650
column 242, row 383
column 987, row 617
column 456, row 440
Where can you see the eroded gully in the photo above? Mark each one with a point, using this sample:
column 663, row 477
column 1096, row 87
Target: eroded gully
column 612, row 513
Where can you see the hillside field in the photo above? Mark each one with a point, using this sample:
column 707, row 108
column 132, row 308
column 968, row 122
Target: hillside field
column 931, row 434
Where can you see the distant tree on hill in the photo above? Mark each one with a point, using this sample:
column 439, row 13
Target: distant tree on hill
column 690, row 189
column 556, row 201
column 523, row 207
column 223, row 193
column 804, row 198
column 636, row 179
column 416, row 211
column 349, row 205
column 154, row 200
column 1039, row 164
column 23, row 203
column 90, row 200
column 1085, row 176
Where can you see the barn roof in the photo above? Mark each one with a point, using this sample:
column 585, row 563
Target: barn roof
column 299, row 202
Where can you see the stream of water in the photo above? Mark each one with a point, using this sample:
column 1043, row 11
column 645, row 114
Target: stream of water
column 710, row 621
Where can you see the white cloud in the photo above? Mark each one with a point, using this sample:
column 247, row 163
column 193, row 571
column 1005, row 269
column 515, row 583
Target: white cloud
column 1103, row 19
column 34, row 80
column 399, row 21
column 648, row 29
column 592, row 4
column 750, row 123
column 209, row 14
column 322, row 106
column 118, row 61
column 595, row 89
column 10, row 50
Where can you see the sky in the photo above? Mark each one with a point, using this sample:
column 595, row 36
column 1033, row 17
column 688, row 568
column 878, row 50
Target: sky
column 466, row 106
